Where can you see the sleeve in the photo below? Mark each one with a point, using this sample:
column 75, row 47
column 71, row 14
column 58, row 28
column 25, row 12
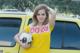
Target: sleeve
column 27, row 29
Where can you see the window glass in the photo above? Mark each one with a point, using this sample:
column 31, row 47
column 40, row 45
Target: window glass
column 66, row 35
column 30, row 21
column 8, row 28
column 56, row 35
column 71, row 36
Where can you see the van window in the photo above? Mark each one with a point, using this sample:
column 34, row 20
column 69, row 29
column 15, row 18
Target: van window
column 30, row 21
column 66, row 35
column 72, row 36
column 8, row 28
column 56, row 35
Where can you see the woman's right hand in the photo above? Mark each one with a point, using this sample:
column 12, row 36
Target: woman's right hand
column 24, row 45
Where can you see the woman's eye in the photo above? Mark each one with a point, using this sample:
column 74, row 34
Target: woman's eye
column 38, row 14
column 43, row 14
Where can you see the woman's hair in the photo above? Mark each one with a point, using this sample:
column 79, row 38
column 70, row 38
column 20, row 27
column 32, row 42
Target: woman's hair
column 39, row 7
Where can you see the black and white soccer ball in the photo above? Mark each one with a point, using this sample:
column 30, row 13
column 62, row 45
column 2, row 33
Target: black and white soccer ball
column 25, row 37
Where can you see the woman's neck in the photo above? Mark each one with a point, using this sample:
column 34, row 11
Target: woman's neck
column 39, row 24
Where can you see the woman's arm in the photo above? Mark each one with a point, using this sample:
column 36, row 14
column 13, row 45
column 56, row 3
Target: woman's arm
column 52, row 16
column 16, row 37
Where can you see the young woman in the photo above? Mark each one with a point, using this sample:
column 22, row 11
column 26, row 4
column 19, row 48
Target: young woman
column 43, row 22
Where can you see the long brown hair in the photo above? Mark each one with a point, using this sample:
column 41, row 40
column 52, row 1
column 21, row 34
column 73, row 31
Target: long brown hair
column 39, row 7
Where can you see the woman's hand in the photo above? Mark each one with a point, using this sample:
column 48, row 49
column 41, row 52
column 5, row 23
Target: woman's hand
column 24, row 45
column 52, row 16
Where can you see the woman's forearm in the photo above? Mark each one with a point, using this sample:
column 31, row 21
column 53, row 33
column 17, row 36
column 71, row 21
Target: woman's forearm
column 17, row 38
column 52, row 16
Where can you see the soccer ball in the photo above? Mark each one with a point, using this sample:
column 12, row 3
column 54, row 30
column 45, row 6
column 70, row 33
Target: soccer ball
column 25, row 37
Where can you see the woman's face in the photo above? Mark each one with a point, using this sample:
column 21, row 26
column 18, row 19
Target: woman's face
column 41, row 15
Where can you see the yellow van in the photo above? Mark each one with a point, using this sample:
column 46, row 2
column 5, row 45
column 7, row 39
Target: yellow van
column 65, row 38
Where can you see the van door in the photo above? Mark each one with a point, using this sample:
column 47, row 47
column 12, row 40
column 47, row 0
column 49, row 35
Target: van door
column 65, row 38
column 9, row 26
